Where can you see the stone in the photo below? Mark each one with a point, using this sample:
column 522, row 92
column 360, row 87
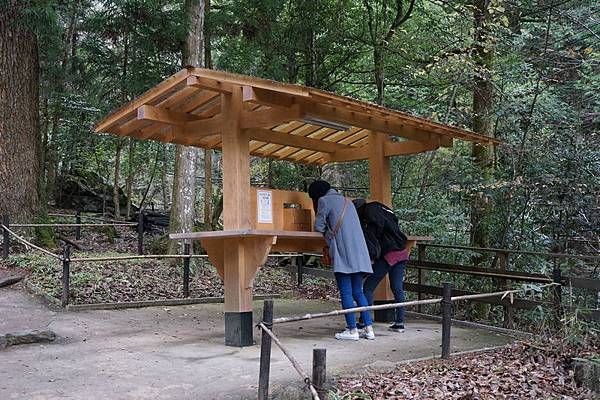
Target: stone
column 10, row 280
column 26, row 337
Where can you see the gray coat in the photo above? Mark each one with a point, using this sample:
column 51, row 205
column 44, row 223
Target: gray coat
column 348, row 249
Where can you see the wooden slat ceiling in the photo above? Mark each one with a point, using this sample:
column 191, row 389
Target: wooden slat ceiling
column 283, row 121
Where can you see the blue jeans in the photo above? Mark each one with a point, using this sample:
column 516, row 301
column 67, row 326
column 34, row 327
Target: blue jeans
column 396, row 271
column 351, row 290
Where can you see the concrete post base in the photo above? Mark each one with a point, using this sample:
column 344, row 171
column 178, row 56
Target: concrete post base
column 238, row 329
column 388, row 315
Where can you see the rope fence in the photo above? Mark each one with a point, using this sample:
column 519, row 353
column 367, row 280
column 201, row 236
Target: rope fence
column 28, row 243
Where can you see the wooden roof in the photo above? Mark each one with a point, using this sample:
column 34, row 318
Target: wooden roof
column 283, row 121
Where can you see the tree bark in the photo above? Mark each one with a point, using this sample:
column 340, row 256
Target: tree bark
column 130, row 176
column 20, row 148
column 482, row 118
column 116, row 196
column 184, row 179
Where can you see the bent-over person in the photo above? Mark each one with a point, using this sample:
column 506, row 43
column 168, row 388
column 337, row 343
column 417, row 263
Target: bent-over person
column 336, row 218
column 387, row 251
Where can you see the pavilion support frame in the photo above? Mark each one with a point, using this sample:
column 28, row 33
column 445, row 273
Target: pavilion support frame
column 246, row 116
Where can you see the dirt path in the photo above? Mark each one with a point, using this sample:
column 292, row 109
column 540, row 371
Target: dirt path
column 178, row 352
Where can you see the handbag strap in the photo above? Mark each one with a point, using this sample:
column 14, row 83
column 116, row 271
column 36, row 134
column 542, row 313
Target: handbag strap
column 339, row 224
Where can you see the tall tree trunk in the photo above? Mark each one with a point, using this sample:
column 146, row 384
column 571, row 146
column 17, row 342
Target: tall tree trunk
column 379, row 74
column 482, row 119
column 116, row 192
column 130, row 175
column 208, row 156
column 20, row 151
column 184, row 179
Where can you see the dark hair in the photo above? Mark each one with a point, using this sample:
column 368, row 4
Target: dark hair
column 318, row 189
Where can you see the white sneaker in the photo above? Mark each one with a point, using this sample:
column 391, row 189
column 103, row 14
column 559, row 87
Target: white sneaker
column 369, row 335
column 347, row 335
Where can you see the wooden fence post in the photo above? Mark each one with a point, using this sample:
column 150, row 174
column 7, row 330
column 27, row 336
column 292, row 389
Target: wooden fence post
column 5, row 237
column 186, row 270
column 319, row 372
column 265, row 352
column 557, row 294
column 446, row 319
column 78, row 228
column 66, row 260
column 420, row 258
column 300, row 269
column 140, row 232
column 508, row 319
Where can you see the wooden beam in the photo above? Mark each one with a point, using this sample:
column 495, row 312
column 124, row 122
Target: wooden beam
column 164, row 116
column 209, row 84
column 267, row 97
column 301, row 142
column 352, row 154
column 270, row 117
column 204, row 127
column 408, row 147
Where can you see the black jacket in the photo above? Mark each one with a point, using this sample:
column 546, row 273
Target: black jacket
column 381, row 230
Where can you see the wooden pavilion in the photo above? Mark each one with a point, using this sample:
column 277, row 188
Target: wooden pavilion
column 245, row 116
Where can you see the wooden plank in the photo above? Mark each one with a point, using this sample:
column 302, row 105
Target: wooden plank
column 478, row 271
column 269, row 136
column 270, row 117
column 164, row 116
column 409, row 147
column 582, row 283
column 209, row 84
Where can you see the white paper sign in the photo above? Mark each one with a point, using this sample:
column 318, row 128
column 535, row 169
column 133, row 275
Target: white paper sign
column 265, row 206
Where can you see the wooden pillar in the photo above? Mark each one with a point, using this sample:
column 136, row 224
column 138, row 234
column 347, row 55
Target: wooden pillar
column 238, row 268
column 381, row 191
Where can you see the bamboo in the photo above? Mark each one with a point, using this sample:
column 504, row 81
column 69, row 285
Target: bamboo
column 19, row 238
column 293, row 360
column 283, row 320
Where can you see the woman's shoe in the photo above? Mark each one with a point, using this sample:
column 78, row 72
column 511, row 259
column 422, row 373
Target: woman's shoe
column 348, row 334
column 396, row 327
column 368, row 334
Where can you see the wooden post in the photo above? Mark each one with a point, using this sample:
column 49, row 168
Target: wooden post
column 140, row 232
column 186, row 270
column 319, row 372
column 381, row 191
column 557, row 294
column 66, row 261
column 265, row 352
column 5, row 236
column 77, row 228
column 446, row 319
column 420, row 258
column 240, row 258
column 300, row 269
column 508, row 319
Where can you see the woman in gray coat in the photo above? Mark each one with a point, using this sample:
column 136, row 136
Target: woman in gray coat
column 337, row 219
